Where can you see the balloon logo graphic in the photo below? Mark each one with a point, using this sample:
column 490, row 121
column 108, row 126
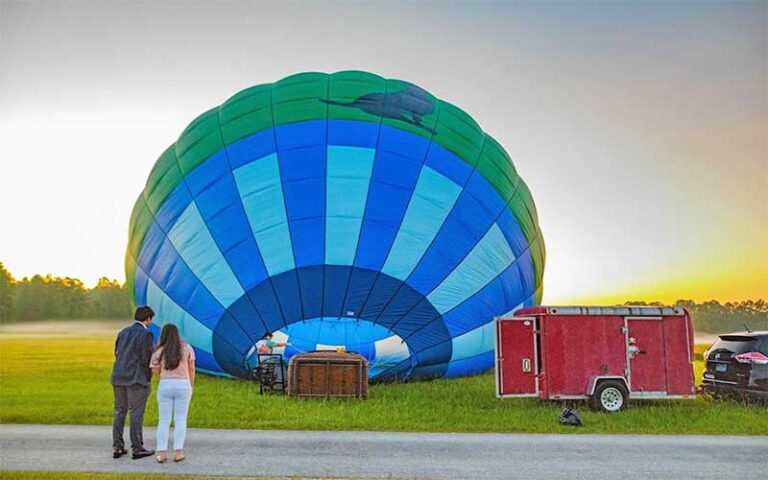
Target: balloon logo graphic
column 342, row 210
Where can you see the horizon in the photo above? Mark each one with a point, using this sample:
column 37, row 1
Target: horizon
column 638, row 127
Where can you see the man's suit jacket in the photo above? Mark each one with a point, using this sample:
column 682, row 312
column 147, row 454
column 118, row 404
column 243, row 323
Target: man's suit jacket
column 133, row 349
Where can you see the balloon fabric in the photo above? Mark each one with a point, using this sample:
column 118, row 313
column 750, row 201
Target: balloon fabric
column 336, row 210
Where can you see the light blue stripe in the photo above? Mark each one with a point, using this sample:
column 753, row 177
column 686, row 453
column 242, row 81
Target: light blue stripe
column 262, row 194
column 196, row 246
column 474, row 342
column 349, row 173
column 433, row 198
column 491, row 256
column 191, row 331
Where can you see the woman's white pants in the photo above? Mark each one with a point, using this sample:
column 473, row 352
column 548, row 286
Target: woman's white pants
column 173, row 396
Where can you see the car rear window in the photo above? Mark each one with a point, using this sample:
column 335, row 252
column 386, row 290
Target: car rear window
column 735, row 344
column 762, row 346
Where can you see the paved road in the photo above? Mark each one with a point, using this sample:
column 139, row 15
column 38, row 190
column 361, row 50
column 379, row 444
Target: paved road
column 397, row 455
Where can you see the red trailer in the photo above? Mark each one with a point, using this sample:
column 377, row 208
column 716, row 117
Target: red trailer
column 606, row 354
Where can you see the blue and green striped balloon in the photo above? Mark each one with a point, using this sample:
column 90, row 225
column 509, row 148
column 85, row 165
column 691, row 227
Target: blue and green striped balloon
column 336, row 210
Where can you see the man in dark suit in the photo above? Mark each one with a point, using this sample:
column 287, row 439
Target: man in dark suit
column 131, row 378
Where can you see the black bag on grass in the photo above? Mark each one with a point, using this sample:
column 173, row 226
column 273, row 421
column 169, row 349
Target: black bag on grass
column 570, row 417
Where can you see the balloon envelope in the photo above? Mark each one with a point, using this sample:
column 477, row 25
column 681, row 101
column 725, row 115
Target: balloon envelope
column 341, row 210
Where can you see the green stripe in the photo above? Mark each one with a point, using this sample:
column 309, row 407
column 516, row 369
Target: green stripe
column 296, row 99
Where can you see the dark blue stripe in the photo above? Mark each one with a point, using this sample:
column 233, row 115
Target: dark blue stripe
column 395, row 171
column 527, row 274
column 512, row 232
column 426, row 372
column 263, row 297
column 251, row 148
column 154, row 329
column 360, row 284
column 178, row 201
column 336, row 281
column 302, row 173
column 311, row 284
column 301, row 135
column 230, row 358
column 288, row 294
column 352, row 134
column 397, row 307
column 141, row 282
column 448, row 164
column 206, row 361
column 381, row 295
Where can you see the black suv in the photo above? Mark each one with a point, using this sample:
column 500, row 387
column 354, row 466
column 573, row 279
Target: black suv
column 727, row 376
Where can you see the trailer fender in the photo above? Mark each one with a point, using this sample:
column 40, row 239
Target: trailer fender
column 593, row 381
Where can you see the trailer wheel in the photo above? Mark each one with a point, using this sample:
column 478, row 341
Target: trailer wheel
column 610, row 396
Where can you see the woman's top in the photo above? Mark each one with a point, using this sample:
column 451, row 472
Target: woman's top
column 181, row 371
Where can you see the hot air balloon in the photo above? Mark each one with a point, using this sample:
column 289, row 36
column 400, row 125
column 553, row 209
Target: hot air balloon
column 336, row 210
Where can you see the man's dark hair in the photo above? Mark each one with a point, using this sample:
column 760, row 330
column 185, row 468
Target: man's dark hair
column 267, row 336
column 143, row 313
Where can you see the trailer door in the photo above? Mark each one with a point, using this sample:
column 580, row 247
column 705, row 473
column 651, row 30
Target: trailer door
column 516, row 363
column 645, row 351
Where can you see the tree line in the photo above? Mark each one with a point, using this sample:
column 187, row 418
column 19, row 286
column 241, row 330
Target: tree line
column 715, row 317
column 49, row 298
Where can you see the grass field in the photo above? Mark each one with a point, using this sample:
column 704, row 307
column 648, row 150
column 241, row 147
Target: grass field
column 65, row 380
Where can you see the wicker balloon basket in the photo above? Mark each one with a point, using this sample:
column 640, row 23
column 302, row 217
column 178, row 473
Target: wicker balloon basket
column 328, row 374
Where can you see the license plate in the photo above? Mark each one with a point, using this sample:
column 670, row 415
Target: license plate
column 721, row 367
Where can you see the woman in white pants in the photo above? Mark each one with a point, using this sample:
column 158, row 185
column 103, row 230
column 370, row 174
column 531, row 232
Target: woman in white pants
column 174, row 361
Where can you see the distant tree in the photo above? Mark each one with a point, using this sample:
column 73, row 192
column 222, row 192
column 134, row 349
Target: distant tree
column 31, row 301
column 641, row 303
column 108, row 299
column 40, row 298
column 7, row 284
column 72, row 297
column 713, row 317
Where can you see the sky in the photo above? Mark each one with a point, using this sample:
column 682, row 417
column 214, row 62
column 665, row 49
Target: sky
column 640, row 127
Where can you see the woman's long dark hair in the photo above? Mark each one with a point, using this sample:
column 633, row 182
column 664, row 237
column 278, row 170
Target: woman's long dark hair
column 171, row 343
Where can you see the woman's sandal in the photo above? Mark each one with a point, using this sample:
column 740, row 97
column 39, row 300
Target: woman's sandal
column 179, row 458
column 161, row 458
